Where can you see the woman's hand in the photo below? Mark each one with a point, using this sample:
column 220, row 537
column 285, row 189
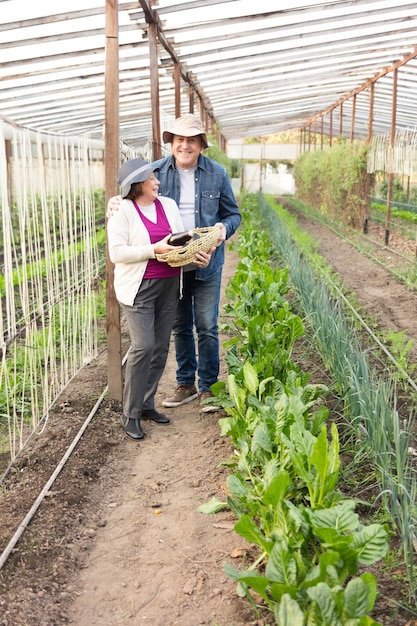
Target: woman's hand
column 162, row 246
column 113, row 205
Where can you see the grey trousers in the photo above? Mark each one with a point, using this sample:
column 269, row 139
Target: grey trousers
column 150, row 322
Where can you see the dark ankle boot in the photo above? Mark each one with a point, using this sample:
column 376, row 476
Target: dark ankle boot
column 133, row 429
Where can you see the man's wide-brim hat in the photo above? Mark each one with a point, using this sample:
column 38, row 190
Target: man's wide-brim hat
column 186, row 126
column 134, row 171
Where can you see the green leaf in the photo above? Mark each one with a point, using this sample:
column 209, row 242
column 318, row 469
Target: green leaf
column 332, row 537
column 237, row 394
column 237, row 486
column 277, row 489
column 261, row 439
column 297, row 328
column 288, row 612
column 320, row 573
column 371, row 543
column 302, row 438
column 278, row 590
column 322, row 596
column 359, row 596
column 218, row 387
column 326, row 460
column 250, row 377
column 250, row 578
column 340, row 517
column 226, row 425
column 263, row 384
column 270, row 470
column 281, row 408
column 247, row 528
column 213, row 506
column 364, row 621
column 317, row 418
column 281, row 566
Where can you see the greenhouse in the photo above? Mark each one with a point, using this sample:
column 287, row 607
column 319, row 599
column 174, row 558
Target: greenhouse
column 288, row 496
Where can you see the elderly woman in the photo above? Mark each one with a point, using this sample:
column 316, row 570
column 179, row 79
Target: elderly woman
column 147, row 289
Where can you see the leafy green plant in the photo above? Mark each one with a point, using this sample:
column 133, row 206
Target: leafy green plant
column 303, row 587
column 400, row 347
column 332, row 180
column 283, row 486
column 407, row 216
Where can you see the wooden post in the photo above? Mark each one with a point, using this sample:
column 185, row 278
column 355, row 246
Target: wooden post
column 341, row 119
column 154, row 78
column 391, row 160
column 190, row 99
column 111, row 166
column 315, row 133
column 331, row 128
column 321, row 131
column 352, row 119
column 10, row 190
column 177, row 86
column 368, row 175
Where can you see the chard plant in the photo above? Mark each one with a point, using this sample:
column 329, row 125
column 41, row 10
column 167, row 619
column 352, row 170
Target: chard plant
column 283, row 486
column 309, row 575
column 263, row 328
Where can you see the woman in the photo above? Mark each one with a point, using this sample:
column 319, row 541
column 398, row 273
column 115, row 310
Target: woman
column 147, row 289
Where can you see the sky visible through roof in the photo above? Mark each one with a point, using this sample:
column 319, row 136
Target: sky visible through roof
column 263, row 66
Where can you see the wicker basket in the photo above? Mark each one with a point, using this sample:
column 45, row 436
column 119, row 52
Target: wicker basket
column 203, row 239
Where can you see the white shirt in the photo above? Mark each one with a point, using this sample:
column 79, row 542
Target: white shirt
column 187, row 199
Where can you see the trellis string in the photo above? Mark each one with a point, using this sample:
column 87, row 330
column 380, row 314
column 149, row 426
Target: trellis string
column 51, row 263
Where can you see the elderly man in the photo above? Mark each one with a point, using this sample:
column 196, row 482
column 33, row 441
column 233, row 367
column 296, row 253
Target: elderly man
column 202, row 189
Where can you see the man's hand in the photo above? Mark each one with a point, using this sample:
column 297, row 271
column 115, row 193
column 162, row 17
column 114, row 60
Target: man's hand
column 223, row 234
column 202, row 259
column 113, row 205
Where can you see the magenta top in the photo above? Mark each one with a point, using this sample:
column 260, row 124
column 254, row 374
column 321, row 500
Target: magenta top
column 157, row 231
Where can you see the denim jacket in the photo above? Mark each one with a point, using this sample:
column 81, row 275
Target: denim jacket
column 214, row 201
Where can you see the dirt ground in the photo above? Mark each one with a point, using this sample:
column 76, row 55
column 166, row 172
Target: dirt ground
column 118, row 539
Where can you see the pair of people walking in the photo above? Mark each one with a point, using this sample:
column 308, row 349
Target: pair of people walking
column 180, row 192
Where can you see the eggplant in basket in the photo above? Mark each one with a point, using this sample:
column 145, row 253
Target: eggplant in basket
column 179, row 239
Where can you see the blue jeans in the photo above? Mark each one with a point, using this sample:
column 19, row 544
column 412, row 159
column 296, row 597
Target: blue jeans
column 198, row 307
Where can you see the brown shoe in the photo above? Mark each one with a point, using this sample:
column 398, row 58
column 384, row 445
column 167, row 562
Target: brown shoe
column 205, row 404
column 183, row 394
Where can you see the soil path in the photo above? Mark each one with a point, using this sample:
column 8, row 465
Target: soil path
column 119, row 540
column 157, row 560
column 381, row 295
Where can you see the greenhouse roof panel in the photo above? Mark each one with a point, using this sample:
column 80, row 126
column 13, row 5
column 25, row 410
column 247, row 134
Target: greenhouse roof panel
column 262, row 67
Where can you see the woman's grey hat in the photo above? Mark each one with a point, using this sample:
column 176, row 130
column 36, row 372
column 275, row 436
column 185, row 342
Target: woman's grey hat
column 186, row 126
column 134, row 171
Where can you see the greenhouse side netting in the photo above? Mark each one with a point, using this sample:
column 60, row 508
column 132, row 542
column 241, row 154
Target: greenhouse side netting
column 52, row 253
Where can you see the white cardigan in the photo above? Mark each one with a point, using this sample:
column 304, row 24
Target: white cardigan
column 130, row 247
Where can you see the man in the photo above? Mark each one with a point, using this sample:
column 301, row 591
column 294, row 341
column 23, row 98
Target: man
column 202, row 190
